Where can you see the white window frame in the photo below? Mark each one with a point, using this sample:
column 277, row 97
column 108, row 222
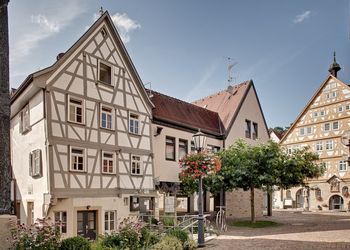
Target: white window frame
column 319, row 146
column 35, row 163
column 24, row 123
column 109, row 220
column 347, row 107
column 111, row 113
column 133, row 170
column 337, row 127
column 315, row 114
column 301, row 131
column 108, row 159
column 329, row 145
column 76, row 105
column 132, row 123
column 324, row 126
column 99, row 73
column 334, row 94
column 322, row 113
column 71, row 154
column 309, row 132
column 61, row 223
column 341, row 109
column 343, row 165
column 183, row 148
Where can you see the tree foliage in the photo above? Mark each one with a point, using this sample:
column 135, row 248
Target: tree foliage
column 260, row 167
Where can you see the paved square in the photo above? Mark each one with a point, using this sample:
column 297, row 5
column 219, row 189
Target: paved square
column 308, row 230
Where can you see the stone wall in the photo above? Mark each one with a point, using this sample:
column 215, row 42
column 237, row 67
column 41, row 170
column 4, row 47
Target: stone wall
column 6, row 223
column 238, row 203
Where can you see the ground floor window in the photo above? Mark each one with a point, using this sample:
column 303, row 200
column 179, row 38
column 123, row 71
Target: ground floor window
column 61, row 221
column 110, row 221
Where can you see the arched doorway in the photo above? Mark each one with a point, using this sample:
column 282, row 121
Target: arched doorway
column 299, row 198
column 336, row 202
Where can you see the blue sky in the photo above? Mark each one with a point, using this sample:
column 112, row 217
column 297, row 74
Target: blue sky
column 181, row 46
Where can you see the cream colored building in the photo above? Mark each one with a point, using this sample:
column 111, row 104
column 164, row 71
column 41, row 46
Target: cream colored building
column 321, row 126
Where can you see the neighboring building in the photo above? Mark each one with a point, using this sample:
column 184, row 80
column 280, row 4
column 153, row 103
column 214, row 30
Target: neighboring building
column 81, row 139
column 321, row 126
column 90, row 145
column 275, row 136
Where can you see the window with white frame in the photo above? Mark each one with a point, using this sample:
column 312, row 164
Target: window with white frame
column 110, row 221
column 106, row 117
column 340, row 109
column 347, row 107
column 315, row 114
column 76, row 110
column 77, row 156
column 327, row 126
column 329, row 145
column 105, row 73
column 289, row 150
column 108, row 162
column 322, row 113
column 134, row 123
column 343, row 165
column 61, row 221
column 136, row 165
column 309, row 130
column 182, row 148
column 301, row 131
column 334, row 94
column 24, row 125
column 170, row 148
column 35, row 165
column 319, row 146
column 335, row 125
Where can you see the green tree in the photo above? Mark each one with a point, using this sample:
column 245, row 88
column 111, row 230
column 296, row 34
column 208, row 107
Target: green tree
column 261, row 167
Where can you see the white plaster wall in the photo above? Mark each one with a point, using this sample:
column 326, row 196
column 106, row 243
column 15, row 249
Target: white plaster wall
column 21, row 146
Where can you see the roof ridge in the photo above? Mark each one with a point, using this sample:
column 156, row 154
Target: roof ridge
column 216, row 93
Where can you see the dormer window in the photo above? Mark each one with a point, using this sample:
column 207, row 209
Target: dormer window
column 105, row 73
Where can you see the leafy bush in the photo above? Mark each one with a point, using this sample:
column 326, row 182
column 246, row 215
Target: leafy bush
column 148, row 238
column 75, row 243
column 180, row 234
column 111, row 240
column 190, row 244
column 169, row 243
column 168, row 221
column 41, row 235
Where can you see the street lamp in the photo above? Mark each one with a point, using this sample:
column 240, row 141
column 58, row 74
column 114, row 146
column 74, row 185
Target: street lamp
column 200, row 140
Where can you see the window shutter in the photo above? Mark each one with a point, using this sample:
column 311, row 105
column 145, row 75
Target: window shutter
column 30, row 164
column 39, row 171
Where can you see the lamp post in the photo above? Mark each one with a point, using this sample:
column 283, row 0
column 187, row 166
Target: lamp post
column 200, row 140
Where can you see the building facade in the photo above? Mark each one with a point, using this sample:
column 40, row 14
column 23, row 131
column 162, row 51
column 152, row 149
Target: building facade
column 90, row 145
column 323, row 126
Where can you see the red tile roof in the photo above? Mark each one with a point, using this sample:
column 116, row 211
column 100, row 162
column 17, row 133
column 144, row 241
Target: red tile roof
column 225, row 102
column 180, row 113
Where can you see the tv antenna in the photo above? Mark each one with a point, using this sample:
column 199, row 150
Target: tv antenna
column 230, row 65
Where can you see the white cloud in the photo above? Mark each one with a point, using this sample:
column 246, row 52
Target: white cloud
column 300, row 18
column 41, row 27
column 124, row 24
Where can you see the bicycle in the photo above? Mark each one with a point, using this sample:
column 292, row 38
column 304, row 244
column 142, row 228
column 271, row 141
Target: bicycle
column 221, row 219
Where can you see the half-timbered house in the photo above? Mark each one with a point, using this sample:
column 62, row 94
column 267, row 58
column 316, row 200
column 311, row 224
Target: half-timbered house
column 81, row 137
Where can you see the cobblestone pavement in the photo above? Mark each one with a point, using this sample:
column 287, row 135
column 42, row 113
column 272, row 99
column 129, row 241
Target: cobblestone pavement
column 307, row 230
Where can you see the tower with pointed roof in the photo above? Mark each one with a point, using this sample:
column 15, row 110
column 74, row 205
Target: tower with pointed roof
column 334, row 67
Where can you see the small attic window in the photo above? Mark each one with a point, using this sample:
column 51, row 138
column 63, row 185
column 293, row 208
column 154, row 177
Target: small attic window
column 105, row 73
column 103, row 32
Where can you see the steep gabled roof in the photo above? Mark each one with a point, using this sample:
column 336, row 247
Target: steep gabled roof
column 225, row 102
column 105, row 17
column 180, row 113
column 309, row 104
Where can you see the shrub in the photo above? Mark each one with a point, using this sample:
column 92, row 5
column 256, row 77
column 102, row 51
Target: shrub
column 75, row 243
column 169, row 243
column 180, row 234
column 111, row 240
column 190, row 244
column 41, row 235
column 148, row 238
column 168, row 221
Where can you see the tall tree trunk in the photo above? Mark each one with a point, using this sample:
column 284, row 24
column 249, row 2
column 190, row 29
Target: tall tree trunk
column 5, row 181
column 252, row 205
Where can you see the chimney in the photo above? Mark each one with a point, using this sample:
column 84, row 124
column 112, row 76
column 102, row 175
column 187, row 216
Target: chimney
column 59, row 56
column 334, row 67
